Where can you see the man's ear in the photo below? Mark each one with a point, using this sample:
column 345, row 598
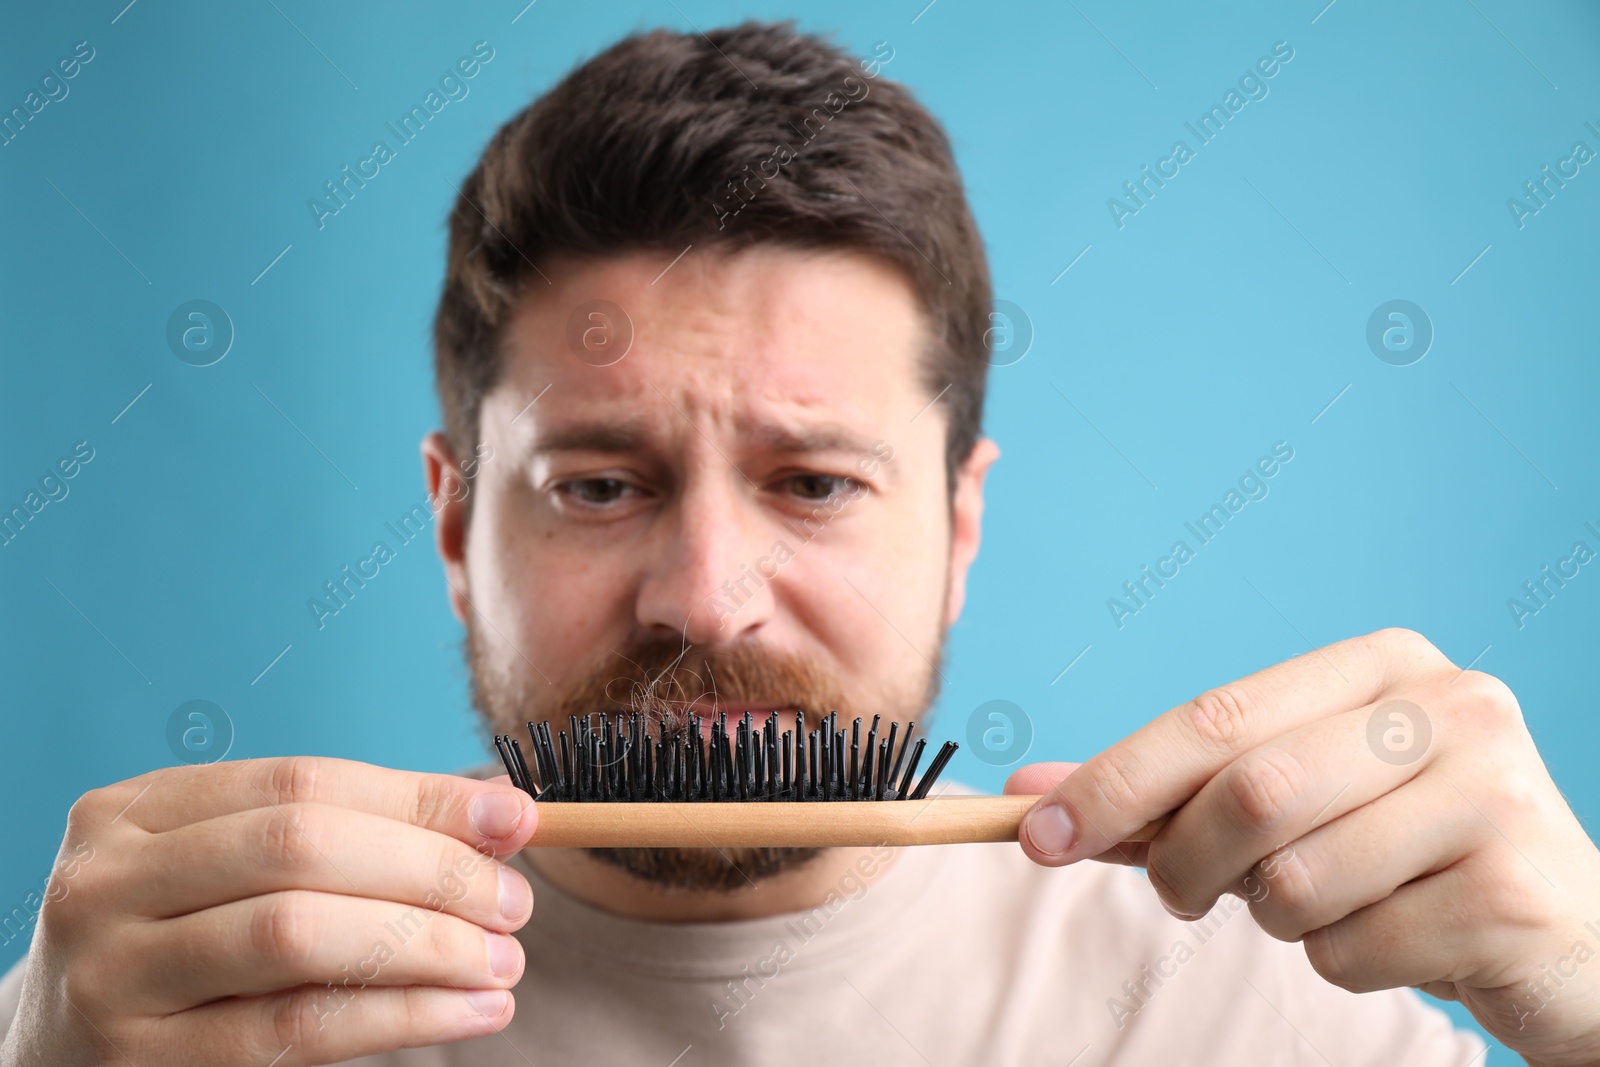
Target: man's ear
column 447, row 494
column 966, row 521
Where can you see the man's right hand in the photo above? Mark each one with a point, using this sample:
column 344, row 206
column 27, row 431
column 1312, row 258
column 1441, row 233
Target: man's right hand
column 276, row 911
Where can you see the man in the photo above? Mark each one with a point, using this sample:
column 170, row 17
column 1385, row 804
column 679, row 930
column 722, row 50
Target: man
column 711, row 354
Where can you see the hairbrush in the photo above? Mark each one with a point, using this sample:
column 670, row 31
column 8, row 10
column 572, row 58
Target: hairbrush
column 624, row 782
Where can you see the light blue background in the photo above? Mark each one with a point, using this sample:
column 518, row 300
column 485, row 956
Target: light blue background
column 1224, row 317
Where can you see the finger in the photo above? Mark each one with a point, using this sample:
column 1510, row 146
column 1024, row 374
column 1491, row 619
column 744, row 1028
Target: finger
column 316, row 1025
column 1037, row 778
column 1125, row 854
column 467, row 809
column 321, row 847
column 1274, row 794
column 1421, row 933
column 1360, row 859
column 282, row 940
column 1166, row 762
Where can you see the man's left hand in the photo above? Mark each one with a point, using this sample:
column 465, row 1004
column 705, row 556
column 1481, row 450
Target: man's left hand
column 1376, row 803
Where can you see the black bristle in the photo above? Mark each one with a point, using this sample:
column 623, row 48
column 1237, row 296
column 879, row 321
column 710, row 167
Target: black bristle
column 947, row 750
column 516, row 765
column 630, row 762
column 799, row 752
column 538, row 766
column 725, row 757
column 547, row 746
column 806, row 772
column 841, row 781
column 716, row 763
column 522, row 770
column 911, row 768
column 824, row 761
column 587, row 759
column 752, row 756
column 785, row 783
column 772, row 758
column 868, row 757
column 699, row 759
column 541, row 763
column 741, row 774
column 884, row 766
column 549, row 767
column 854, row 786
column 505, row 758
column 905, row 743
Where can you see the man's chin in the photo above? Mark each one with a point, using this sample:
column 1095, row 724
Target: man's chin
column 704, row 870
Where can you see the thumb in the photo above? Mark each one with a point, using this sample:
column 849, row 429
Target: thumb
column 1041, row 778
column 514, row 807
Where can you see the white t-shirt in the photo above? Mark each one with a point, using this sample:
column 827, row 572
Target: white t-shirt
column 953, row 955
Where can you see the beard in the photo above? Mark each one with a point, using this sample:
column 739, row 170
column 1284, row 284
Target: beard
column 669, row 681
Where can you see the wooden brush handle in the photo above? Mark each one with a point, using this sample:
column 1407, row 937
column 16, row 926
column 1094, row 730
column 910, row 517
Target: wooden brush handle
column 646, row 824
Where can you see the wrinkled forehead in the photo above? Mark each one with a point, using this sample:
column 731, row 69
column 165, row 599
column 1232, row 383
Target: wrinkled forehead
column 783, row 348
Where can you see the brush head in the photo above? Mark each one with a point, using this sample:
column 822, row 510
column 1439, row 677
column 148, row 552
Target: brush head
column 635, row 758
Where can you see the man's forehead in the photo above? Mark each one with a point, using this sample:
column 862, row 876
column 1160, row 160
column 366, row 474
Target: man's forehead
column 788, row 350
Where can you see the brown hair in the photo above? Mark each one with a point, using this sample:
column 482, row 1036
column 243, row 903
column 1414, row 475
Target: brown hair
column 667, row 139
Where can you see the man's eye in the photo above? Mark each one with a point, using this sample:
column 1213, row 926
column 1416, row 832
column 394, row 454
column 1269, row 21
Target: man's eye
column 597, row 490
column 819, row 486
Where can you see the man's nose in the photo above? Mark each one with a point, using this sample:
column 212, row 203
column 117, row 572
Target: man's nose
column 702, row 580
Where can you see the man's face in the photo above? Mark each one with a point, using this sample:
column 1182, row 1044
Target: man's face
column 747, row 510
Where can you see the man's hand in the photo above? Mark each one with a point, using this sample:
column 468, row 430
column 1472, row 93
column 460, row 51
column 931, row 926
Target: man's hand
column 1376, row 803
column 285, row 911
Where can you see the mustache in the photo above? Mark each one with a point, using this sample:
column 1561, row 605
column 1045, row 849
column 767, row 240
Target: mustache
column 668, row 682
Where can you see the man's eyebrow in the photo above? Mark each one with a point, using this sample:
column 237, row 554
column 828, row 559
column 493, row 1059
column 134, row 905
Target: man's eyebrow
column 630, row 436
column 824, row 438
column 590, row 437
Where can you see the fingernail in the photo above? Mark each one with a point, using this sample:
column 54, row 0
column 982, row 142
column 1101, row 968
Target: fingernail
column 515, row 895
column 488, row 1002
column 505, row 955
column 495, row 814
column 1049, row 829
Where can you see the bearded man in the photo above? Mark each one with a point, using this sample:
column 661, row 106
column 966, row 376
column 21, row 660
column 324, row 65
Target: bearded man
column 711, row 354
